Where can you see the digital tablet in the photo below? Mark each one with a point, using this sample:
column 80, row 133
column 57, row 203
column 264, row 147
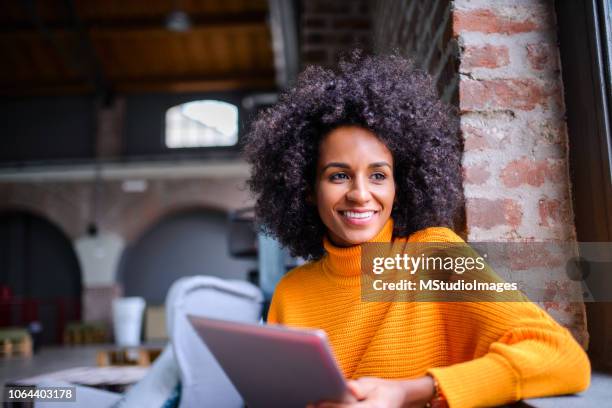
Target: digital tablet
column 274, row 366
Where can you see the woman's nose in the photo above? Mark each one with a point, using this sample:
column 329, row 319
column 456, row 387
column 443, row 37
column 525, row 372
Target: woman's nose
column 359, row 192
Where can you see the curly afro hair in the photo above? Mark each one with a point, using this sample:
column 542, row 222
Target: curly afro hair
column 384, row 94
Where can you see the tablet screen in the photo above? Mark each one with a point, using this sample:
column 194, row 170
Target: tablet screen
column 274, row 366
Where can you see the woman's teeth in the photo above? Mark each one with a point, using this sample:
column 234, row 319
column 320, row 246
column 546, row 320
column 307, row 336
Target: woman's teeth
column 359, row 215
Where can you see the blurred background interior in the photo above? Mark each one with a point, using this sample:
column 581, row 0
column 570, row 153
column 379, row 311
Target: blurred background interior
column 120, row 169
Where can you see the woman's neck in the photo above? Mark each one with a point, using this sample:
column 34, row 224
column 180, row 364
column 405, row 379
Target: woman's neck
column 344, row 262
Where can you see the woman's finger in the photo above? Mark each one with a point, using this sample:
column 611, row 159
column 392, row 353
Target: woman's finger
column 356, row 389
column 365, row 385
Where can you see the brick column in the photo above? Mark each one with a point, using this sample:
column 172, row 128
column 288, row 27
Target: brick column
column 512, row 118
column 502, row 58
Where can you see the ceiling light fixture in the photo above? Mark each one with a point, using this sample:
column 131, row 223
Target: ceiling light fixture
column 177, row 20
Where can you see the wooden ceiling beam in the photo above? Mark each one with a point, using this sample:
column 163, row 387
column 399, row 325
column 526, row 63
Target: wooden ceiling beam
column 143, row 23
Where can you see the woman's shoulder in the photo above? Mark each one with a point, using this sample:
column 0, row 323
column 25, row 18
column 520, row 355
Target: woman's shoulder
column 433, row 234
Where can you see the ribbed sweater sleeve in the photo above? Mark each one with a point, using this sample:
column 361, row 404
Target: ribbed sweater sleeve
column 533, row 357
column 529, row 354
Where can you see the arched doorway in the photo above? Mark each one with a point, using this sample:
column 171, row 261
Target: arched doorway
column 193, row 242
column 40, row 278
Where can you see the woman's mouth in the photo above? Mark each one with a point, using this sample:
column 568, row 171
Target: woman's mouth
column 358, row 217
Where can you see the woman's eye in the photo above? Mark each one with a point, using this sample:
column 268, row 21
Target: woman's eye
column 338, row 177
column 379, row 176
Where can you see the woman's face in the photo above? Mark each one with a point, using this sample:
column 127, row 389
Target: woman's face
column 354, row 185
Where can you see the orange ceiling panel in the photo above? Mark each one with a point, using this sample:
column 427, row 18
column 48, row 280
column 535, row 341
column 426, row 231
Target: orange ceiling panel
column 127, row 43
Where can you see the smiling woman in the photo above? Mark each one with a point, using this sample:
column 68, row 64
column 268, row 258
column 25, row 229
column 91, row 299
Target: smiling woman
column 354, row 185
column 368, row 153
column 392, row 101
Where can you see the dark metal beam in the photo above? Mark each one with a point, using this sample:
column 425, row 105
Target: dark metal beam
column 87, row 52
column 251, row 80
column 40, row 28
column 82, row 60
column 144, row 23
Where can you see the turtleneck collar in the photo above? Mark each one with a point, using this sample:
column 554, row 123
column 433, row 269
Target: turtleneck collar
column 343, row 264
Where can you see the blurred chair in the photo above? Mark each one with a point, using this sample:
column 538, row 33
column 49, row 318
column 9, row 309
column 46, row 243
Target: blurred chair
column 203, row 381
column 186, row 360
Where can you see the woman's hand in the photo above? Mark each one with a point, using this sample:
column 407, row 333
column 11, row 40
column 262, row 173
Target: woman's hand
column 379, row 393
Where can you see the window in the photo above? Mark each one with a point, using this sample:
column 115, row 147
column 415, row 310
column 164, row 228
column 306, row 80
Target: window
column 207, row 123
column 585, row 36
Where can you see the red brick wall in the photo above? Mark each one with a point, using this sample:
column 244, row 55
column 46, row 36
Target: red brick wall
column 512, row 117
column 422, row 31
column 329, row 28
column 68, row 204
column 510, row 98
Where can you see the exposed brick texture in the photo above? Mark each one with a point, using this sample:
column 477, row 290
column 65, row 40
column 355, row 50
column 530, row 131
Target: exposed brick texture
column 486, row 56
column 513, row 113
column 329, row 29
column 68, row 204
column 512, row 121
column 487, row 213
column 420, row 30
column 506, row 72
column 531, row 172
column 477, row 174
column 475, row 138
column 553, row 211
column 498, row 94
column 491, row 21
column 540, row 56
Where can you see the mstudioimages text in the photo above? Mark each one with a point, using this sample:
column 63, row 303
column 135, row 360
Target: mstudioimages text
column 444, row 286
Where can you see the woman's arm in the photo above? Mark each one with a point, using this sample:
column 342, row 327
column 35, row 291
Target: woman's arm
column 534, row 357
column 523, row 352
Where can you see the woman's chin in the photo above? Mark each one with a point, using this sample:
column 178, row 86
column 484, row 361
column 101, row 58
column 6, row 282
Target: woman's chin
column 358, row 237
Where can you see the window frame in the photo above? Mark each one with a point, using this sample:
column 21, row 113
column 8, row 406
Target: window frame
column 165, row 129
column 145, row 126
column 585, row 38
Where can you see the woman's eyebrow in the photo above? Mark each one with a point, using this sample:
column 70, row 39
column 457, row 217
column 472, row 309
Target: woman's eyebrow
column 336, row 164
column 381, row 164
column 346, row 166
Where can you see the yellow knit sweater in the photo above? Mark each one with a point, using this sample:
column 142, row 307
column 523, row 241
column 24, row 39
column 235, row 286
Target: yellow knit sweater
column 481, row 353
